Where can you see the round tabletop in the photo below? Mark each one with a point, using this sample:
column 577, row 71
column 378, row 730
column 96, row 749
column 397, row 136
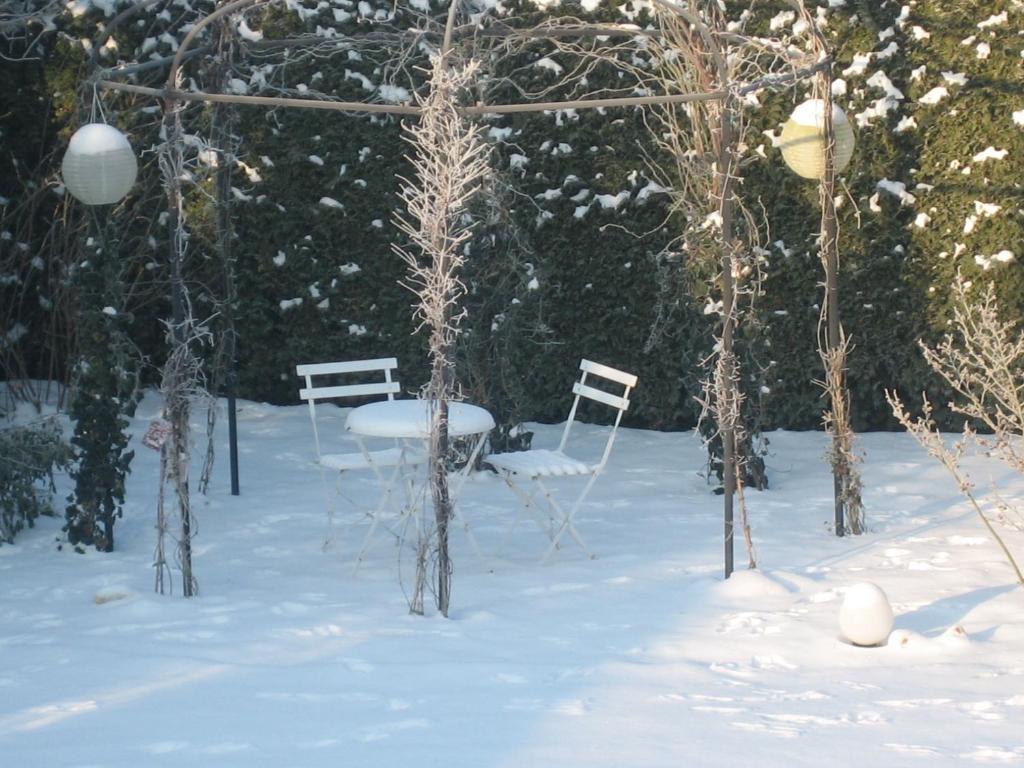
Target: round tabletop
column 411, row 419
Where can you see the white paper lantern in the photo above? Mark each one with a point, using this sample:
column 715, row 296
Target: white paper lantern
column 865, row 617
column 803, row 139
column 99, row 167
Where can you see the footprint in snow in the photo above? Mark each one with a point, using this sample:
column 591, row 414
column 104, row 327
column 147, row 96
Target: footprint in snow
column 987, row 754
column 869, row 717
column 914, row 749
column 569, row 587
column 718, row 709
column 966, row 541
column 227, row 748
column 783, row 730
column 776, row 695
column 751, row 623
column 981, row 710
column 272, row 519
column 801, row 719
column 358, row 665
column 165, row 747
column 572, row 707
column 824, row 597
column 323, row 630
column 271, row 552
column 572, row 673
column 190, row 636
column 925, row 565
column 290, row 609
column 731, row 668
column 913, row 703
column 509, row 679
column 859, row 686
column 318, row 744
column 385, row 730
column 701, row 697
column 524, row 705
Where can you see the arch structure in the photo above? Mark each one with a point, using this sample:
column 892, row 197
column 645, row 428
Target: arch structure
column 708, row 32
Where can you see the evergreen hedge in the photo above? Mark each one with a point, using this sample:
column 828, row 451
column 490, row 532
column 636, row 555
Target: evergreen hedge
column 567, row 273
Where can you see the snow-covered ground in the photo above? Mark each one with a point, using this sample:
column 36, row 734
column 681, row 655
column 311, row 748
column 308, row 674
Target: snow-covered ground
column 642, row 657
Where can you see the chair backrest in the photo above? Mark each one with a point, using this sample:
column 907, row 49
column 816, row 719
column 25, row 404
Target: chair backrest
column 619, row 402
column 311, row 393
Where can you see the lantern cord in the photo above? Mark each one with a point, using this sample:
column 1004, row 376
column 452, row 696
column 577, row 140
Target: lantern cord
column 97, row 105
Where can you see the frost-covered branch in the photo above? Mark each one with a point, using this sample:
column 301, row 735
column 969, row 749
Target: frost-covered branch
column 982, row 360
column 23, row 23
column 450, row 161
column 924, row 430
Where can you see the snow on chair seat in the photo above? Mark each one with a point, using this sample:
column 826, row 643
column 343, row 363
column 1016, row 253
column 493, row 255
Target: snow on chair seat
column 539, row 463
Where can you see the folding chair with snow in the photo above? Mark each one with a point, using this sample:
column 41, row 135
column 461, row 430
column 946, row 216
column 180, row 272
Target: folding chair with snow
column 538, row 465
column 390, row 464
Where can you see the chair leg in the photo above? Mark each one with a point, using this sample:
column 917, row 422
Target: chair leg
column 375, row 515
column 456, row 490
column 567, row 526
column 329, row 503
column 528, row 503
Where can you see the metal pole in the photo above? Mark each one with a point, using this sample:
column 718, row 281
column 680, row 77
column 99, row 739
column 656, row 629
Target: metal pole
column 232, row 420
column 728, row 326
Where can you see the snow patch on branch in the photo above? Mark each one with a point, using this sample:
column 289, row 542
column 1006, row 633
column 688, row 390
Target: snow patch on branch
column 897, row 189
column 990, row 153
column 934, row 96
column 993, row 21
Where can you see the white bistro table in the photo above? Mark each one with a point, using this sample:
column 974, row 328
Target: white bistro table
column 408, row 423
column 410, row 420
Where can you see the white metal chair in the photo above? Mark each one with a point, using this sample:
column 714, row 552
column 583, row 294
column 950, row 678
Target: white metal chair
column 537, row 465
column 388, row 464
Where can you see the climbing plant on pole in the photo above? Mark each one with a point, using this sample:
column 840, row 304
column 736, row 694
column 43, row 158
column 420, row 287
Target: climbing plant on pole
column 450, row 159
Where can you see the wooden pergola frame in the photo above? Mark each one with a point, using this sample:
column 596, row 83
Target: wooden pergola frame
column 171, row 97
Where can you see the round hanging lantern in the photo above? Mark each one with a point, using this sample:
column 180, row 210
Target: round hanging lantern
column 99, row 167
column 865, row 617
column 803, row 139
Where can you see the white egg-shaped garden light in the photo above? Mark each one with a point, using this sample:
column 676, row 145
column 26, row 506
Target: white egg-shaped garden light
column 99, row 167
column 803, row 139
column 865, row 617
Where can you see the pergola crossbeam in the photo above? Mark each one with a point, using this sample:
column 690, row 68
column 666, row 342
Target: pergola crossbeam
column 479, row 109
column 405, row 109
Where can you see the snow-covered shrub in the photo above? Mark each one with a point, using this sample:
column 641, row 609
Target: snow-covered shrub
column 28, row 457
